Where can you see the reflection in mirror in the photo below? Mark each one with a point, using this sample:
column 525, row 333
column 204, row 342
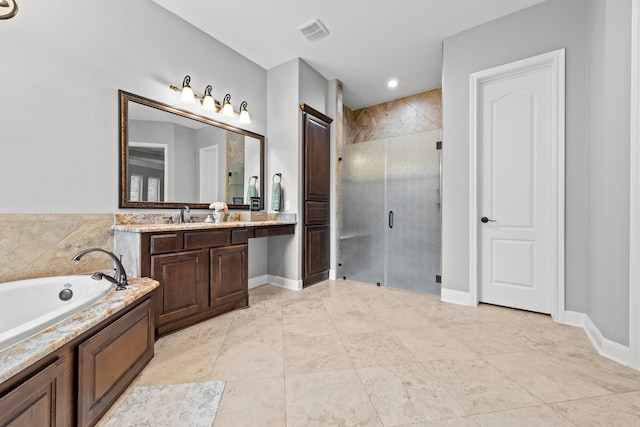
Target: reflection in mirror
column 171, row 158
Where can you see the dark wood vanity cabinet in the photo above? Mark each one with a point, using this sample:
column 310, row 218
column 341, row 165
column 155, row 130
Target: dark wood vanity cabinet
column 202, row 273
column 44, row 399
column 76, row 384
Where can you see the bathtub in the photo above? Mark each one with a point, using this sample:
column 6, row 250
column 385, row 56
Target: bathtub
column 30, row 306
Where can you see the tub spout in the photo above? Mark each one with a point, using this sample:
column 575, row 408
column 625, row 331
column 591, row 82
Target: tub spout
column 120, row 278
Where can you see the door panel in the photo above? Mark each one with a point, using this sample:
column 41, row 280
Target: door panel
column 412, row 194
column 362, row 211
column 515, row 188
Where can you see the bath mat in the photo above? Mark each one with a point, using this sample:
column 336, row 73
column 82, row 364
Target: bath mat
column 192, row 405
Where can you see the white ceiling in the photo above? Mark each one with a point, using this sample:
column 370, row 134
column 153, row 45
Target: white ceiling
column 370, row 41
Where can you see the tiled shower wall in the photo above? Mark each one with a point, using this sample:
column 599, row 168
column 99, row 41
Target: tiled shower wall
column 39, row 245
column 416, row 113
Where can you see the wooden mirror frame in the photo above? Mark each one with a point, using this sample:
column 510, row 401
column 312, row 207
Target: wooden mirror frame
column 124, row 98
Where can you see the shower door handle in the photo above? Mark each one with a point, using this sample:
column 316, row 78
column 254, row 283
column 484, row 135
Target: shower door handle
column 390, row 219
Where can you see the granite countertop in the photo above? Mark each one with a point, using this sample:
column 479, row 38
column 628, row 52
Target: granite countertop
column 23, row 354
column 150, row 228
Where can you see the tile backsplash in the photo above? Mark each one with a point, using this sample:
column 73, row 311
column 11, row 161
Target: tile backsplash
column 39, row 245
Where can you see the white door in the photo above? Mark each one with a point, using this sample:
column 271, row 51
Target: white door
column 209, row 174
column 516, row 122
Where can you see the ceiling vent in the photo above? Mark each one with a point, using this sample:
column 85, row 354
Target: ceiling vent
column 314, row 30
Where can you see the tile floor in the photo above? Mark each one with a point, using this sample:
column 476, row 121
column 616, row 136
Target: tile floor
column 342, row 353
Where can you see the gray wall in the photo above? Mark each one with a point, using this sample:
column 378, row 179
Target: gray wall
column 59, row 83
column 542, row 28
column 596, row 36
column 295, row 82
column 609, row 136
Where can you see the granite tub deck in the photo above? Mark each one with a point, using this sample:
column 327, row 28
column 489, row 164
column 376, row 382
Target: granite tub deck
column 25, row 353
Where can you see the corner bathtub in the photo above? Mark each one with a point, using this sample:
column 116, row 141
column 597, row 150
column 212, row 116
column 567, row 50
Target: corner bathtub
column 31, row 306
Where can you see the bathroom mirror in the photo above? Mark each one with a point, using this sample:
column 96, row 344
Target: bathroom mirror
column 170, row 158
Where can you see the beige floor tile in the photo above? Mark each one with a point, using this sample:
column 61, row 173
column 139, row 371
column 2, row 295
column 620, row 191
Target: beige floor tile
column 407, row 393
column 633, row 397
column 311, row 325
column 545, row 379
column 251, row 327
column 376, row 349
column 304, row 355
column 357, row 322
column 407, row 318
column 250, row 403
column 488, row 338
column 466, row 421
column 600, row 411
column 260, row 357
column 303, row 307
column 432, row 343
column 334, row 398
column 606, row 373
column 535, row 416
column 482, row 358
column 191, row 365
column 479, row 387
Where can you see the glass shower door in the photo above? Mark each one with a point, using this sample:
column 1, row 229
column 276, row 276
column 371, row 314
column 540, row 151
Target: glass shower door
column 361, row 201
column 413, row 232
column 390, row 212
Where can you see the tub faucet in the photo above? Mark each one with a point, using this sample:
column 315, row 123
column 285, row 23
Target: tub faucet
column 120, row 278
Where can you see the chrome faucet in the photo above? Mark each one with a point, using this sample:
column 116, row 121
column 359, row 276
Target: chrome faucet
column 184, row 215
column 120, row 278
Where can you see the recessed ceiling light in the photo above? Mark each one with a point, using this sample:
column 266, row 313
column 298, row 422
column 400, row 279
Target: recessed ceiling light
column 392, row 83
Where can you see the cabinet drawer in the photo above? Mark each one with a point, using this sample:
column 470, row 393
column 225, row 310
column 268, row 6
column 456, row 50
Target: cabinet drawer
column 316, row 213
column 205, row 239
column 279, row 230
column 164, row 243
column 239, row 237
column 111, row 359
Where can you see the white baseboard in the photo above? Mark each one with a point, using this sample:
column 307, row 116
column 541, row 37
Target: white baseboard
column 607, row 348
column 456, row 297
column 254, row 282
column 332, row 274
column 572, row 318
column 283, row 282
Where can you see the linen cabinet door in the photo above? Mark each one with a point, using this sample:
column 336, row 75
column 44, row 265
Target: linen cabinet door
column 229, row 271
column 183, row 279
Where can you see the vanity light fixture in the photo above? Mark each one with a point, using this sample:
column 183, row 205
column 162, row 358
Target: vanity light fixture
column 187, row 93
column 244, row 114
column 227, row 108
column 208, row 102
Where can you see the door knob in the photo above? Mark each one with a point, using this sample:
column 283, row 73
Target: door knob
column 484, row 219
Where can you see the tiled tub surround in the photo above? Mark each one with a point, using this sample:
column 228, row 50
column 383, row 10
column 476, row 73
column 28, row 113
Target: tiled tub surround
column 42, row 245
column 23, row 354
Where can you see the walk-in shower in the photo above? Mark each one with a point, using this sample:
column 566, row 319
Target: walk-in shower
column 389, row 209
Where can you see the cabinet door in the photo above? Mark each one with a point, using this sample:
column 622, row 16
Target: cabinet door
column 33, row 403
column 316, row 254
column 229, row 271
column 316, row 158
column 183, row 280
column 111, row 359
